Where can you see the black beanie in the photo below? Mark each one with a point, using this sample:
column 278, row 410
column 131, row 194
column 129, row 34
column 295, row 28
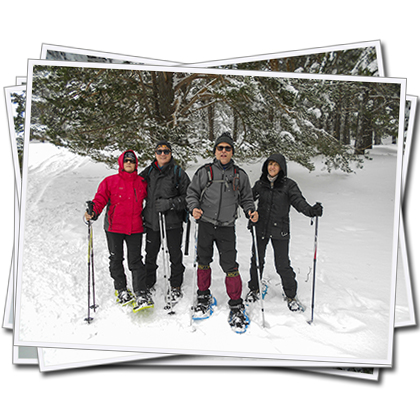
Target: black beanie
column 164, row 143
column 224, row 138
column 130, row 155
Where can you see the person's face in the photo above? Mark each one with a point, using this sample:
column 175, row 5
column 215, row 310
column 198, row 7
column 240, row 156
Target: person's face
column 224, row 153
column 129, row 165
column 273, row 168
column 163, row 155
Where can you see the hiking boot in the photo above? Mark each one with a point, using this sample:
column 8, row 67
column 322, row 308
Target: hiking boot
column 143, row 301
column 124, row 296
column 204, row 306
column 252, row 296
column 174, row 295
column 238, row 319
column 294, row 305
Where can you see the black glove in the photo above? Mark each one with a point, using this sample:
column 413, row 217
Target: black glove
column 316, row 210
column 163, row 204
column 89, row 210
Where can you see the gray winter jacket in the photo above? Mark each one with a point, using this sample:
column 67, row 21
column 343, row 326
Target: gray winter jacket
column 218, row 191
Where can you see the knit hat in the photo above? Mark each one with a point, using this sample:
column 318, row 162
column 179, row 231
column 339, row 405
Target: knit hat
column 165, row 144
column 130, row 155
column 224, row 138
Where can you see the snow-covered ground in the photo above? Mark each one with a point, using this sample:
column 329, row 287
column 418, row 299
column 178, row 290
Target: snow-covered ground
column 354, row 317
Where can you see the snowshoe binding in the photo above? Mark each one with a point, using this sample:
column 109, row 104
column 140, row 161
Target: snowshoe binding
column 238, row 319
column 264, row 288
column 143, row 301
column 295, row 305
column 204, row 306
column 124, row 297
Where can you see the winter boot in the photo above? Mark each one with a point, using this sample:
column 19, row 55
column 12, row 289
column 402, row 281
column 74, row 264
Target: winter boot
column 174, row 295
column 204, row 306
column 124, row 297
column 252, row 296
column 238, row 319
column 143, row 301
column 295, row 305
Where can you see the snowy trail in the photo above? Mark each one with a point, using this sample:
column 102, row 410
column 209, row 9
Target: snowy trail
column 352, row 314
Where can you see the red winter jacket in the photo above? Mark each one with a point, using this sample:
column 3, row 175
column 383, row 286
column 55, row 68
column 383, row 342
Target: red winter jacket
column 123, row 194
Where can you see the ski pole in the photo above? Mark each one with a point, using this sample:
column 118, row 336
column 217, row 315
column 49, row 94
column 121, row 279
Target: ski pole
column 314, row 270
column 257, row 262
column 164, row 245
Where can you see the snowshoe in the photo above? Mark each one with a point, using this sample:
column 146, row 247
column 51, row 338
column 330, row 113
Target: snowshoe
column 295, row 305
column 143, row 301
column 124, row 297
column 204, row 307
column 238, row 319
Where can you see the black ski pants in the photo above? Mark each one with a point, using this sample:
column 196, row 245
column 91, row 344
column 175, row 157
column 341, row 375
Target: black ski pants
column 281, row 262
column 134, row 259
column 153, row 245
column 225, row 239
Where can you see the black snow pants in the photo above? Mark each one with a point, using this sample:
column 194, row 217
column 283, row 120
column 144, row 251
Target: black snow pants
column 134, row 260
column 153, row 245
column 281, row 262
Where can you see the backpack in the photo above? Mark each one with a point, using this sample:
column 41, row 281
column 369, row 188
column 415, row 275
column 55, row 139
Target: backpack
column 209, row 169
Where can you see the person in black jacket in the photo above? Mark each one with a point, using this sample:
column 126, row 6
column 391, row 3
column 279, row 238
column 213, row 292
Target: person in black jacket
column 167, row 185
column 275, row 193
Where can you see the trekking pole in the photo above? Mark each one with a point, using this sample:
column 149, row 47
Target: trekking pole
column 165, row 256
column 91, row 276
column 94, row 305
column 89, row 318
column 314, row 270
column 187, row 236
column 257, row 262
column 196, row 275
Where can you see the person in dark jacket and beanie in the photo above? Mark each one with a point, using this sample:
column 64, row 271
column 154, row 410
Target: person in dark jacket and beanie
column 123, row 196
column 213, row 197
column 275, row 193
column 167, row 185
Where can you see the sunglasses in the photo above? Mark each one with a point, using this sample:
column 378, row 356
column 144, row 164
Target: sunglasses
column 129, row 161
column 221, row 148
column 164, row 151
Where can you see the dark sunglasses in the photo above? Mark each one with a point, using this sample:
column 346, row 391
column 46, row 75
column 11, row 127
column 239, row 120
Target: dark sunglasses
column 160, row 151
column 129, row 161
column 221, row 148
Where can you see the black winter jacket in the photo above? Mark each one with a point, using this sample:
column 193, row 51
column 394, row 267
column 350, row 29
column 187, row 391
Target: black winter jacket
column 275, row 199
column 169, row 182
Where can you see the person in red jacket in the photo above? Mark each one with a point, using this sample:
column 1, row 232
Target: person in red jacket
column 123, row 195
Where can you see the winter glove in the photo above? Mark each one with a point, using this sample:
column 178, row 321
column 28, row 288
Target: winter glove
column 316, row 210
column 163, row 204
column 89, row 210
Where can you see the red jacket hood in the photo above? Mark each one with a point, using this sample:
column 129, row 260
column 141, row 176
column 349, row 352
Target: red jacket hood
column 121, row 161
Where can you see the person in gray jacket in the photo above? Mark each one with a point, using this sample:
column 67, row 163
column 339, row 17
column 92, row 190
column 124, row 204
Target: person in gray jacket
column 213, row 197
